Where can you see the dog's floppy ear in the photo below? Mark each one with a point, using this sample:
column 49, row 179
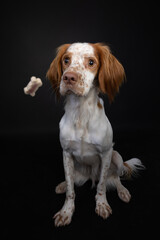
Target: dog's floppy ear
column 55, row 70
column 111, row 73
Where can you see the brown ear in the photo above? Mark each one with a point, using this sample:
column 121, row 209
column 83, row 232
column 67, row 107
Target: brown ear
column 111, row 73
column 54, row 72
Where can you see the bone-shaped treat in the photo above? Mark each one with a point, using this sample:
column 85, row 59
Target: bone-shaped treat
column 33, row 86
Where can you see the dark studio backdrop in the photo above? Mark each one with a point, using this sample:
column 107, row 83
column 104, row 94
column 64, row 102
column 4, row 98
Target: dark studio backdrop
column 31, row 156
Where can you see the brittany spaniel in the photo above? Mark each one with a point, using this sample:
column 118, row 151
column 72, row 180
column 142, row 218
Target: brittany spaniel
column 80, row 72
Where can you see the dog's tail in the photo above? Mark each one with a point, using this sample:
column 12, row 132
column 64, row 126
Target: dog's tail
column 131, row 168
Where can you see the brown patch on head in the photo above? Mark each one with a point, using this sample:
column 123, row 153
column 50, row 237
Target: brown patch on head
column 55, row 70
column 111, row 73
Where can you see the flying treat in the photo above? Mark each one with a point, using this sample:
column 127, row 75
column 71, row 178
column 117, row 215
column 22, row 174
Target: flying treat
column 33, row 86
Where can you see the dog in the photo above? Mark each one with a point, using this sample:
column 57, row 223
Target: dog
column 81, row 71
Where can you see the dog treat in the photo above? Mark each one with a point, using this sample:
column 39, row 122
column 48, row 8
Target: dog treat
column 33, row 86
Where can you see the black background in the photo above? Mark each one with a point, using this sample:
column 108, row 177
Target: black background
column 31, row 156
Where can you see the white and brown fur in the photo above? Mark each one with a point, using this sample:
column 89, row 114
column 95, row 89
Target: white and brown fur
column 80, row 72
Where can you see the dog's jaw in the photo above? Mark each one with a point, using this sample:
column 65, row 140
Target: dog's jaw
column 79, row 52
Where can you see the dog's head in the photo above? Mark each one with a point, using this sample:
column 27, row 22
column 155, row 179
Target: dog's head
column 80, row 66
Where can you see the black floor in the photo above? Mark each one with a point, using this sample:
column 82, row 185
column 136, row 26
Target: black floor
column 31, row 167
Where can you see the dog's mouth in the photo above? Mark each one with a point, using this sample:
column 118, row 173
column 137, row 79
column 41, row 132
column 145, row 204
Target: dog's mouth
column 69, row 92
column 68, row 89
column 75, row 92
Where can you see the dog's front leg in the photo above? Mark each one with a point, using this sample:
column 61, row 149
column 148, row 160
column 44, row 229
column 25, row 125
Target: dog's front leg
column 102, row 207
column 64, row 216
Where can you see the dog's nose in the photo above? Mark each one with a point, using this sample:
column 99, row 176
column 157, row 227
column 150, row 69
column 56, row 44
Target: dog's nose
column 70, row 78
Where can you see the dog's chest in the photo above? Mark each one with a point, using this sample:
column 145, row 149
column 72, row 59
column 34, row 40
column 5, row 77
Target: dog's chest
column 77, row 138
column 85, row 131
column 87, row 141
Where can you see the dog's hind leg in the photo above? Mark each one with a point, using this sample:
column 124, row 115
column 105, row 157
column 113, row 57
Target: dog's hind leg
column 61, row 188
column 79, row 180
column 123, row 192
column 116, row 170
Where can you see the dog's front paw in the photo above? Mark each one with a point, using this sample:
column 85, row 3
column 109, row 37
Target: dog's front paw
column 103, row 210
column 63, row 217
column 102, row 207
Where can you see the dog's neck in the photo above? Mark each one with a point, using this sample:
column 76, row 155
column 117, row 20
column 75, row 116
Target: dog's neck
column 81, row 108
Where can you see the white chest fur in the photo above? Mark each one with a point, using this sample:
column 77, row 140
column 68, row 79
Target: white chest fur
column 84, row 129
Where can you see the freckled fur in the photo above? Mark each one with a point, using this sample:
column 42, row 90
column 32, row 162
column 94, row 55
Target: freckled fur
column 85, row 132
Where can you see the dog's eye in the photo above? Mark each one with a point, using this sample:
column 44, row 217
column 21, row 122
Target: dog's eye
column 66, row 60
column 91, row 62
